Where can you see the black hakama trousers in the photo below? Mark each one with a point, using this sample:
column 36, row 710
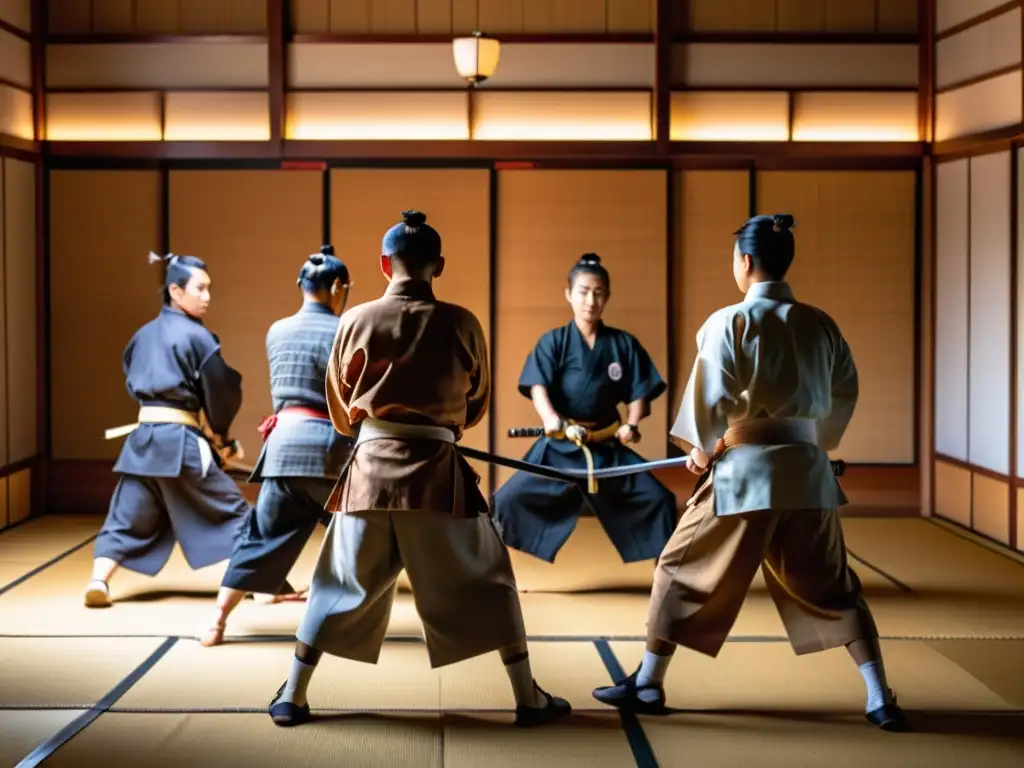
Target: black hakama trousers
column 536, row 515
column 286, row 513
column 204, row 513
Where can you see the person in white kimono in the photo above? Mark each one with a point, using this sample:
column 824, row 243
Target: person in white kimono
column 773, row 388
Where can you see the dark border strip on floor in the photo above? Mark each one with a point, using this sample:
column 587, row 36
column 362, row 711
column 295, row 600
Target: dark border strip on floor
column 80, row 723
column 643, row 753
column 902, row 587
column 40, row 568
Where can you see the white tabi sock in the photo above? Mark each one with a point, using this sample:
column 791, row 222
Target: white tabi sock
column 523, row 687
column 652, row 672
column 878, row 690
column 652, row 669
column 298, row 682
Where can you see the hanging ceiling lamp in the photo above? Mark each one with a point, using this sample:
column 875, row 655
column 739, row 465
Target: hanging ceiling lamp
column 476, row 57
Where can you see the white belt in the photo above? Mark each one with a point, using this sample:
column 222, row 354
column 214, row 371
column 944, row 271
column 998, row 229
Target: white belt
column 375, row 429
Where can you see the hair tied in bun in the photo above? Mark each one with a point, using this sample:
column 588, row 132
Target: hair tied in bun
column 782, row 222
column 414, row 219
column 327, row 250
column 590, row 258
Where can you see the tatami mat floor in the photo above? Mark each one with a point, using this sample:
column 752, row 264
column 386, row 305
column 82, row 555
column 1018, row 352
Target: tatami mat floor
column 131, row 686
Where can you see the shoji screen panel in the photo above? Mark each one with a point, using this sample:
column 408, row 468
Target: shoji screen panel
column 952, row 222
column 988, row 404
column 254, row 229
column 19, row 235
column 855, row 259
column 953, row 492
column 102, row 226
column 710, row 206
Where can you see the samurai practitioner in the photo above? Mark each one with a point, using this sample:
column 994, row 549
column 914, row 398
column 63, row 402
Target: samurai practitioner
column 408, row 374
column 302, row 453
column 577, row 376
column 172, row 487
column 773, row 388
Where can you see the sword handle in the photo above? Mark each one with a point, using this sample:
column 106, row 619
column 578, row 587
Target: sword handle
column 526, row 432
column 839, row 468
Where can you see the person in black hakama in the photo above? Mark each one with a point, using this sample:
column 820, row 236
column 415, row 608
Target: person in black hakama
column 577, row 376
column 172, row 487
column 302, row 453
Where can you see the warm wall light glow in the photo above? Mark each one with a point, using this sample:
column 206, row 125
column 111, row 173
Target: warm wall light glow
column 217, row 117
column 476, row 57
column 103, row 117
column 16, row 115
column 382, row 116
column 569, row 116
column 856, row 117
column 727, row 116
column 983, row 106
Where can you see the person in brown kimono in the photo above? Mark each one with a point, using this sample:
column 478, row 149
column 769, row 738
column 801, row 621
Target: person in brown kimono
column 772, row 391
column 407, row 375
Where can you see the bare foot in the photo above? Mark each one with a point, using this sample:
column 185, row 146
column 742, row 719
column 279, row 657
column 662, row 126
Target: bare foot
column 284, row 597
column 213, row 636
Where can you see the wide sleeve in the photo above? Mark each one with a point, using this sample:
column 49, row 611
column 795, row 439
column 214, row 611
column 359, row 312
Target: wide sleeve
column 644, row 382
column 713, row 389
column 845, row 390
column 479, row 395
column 343, row 370
column 540, row 366
column 222, row 393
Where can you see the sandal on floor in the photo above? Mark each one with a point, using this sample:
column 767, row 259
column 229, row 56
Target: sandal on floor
column 285, row 713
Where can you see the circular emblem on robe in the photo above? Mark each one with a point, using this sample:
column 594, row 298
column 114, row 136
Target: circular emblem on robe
column 614, row 371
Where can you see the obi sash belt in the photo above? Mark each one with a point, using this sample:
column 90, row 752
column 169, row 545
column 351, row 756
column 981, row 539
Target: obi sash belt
column 161, row 414
column 297, row 412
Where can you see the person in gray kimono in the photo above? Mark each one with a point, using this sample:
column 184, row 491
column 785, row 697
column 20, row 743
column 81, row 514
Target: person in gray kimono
column 773, row 388
column 302, row 453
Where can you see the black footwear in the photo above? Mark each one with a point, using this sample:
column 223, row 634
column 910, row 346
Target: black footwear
column 287, row 714
column 624, row 695
column 889, row 717
column 529, row 717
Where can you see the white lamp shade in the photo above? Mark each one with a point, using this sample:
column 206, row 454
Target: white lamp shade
column 476, row 57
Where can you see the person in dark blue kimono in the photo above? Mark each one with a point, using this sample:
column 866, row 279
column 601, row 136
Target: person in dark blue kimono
column 172, row 487
column 577, row 376
column 302, row 453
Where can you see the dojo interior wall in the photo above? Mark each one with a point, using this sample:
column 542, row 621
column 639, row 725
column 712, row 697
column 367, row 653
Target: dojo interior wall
column 976, row 417
column 978, row 85
column 198, row 70
column 855, row 258
column 977, row 421
column 19, row 372
column 855, row 230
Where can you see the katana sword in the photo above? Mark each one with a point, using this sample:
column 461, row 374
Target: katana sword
column 838, row 467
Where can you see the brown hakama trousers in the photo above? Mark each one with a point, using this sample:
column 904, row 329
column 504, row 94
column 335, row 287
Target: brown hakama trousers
column 706, row 569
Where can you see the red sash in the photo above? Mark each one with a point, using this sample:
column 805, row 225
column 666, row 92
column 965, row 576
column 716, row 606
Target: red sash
column 268, row 424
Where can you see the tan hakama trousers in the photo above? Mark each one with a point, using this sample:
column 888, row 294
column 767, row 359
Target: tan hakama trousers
column 706, row 569
column 459, row 570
